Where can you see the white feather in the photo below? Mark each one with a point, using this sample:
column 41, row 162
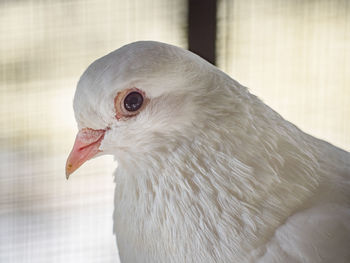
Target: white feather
column 207, row 172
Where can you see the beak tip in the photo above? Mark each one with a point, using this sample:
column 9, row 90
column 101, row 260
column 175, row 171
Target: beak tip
column 68, row 170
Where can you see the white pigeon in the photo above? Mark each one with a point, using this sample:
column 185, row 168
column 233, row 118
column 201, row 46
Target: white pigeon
column 206, row 171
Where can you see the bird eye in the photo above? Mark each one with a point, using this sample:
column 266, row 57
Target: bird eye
column 129, row 102
column 133, row 101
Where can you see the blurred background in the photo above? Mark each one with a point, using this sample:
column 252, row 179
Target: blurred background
column 295, row 55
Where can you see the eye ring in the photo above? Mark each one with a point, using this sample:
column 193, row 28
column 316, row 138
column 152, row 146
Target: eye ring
column 129, row 102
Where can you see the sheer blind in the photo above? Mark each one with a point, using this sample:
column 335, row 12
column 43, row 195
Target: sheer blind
column 295, row 55
column 44, row 48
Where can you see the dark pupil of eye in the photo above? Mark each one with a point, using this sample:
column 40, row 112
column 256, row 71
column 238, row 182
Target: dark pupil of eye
column 133, row 101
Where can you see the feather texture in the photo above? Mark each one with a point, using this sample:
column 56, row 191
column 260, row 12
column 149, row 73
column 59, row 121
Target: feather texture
column 207, row 172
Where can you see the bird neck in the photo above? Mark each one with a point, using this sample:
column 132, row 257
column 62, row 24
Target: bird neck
column 264, row 176
column 249, row 169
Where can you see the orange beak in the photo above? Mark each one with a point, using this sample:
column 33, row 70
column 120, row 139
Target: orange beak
column 85, row 147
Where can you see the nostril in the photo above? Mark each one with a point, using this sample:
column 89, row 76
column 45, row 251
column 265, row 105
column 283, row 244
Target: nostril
column 88, row 136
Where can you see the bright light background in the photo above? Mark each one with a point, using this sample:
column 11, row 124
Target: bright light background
column 44, row 48
column 294, row 54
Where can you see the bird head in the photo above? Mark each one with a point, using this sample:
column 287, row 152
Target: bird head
column 141, row 99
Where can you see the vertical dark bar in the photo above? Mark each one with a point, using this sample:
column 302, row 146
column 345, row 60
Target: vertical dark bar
column 202, row 28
